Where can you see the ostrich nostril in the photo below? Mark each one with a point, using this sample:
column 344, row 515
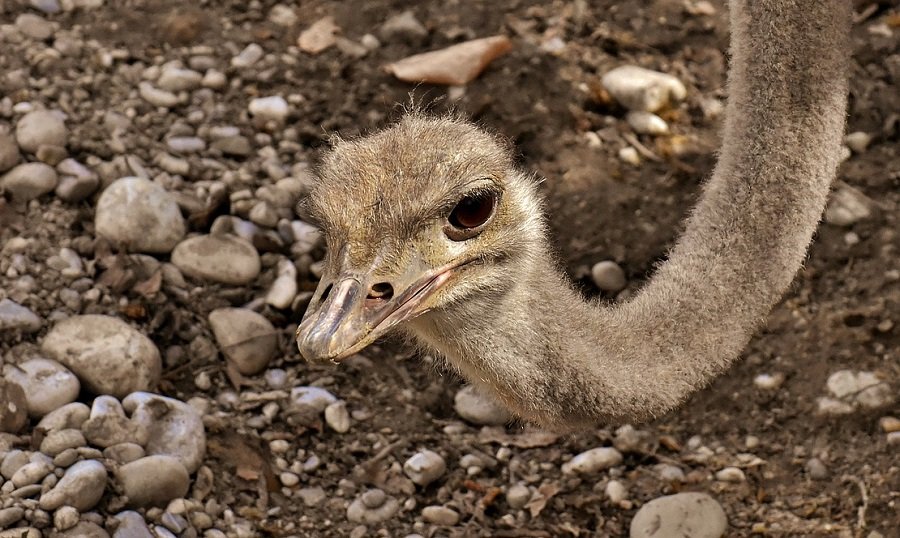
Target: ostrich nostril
column 381, row 291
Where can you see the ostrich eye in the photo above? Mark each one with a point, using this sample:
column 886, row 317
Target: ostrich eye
column 470, row 215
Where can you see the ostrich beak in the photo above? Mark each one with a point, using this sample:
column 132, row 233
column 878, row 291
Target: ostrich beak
column 344, row 317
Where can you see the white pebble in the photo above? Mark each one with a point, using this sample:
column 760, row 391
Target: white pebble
column 337, row 417
column 847, row 207
column 156, row 96
column 730, row 474
column 107, row 354
column 768, row 381
column 153, row 480
column 858, row 141
column 139, row 215
column 15, row 317
column 684, row 514
column 220, row 258
column 185, row 144
column 593, row 460
column 630, row 155
column 615, row 491
column 637, row 88
column 251, row 54
column 646, row 123
column 289, row 479
column 174, row 428
column 284, row 288
column 272, row 108
column 80, row 487
column 176, row 79
column 65, row 518
column 440, row 515
column 425, row 467
column 315, row 398
column 518, row 496
column 477, row 408
column 247, row 339
column 608, row 276
column 28, row 181
column 41, row 128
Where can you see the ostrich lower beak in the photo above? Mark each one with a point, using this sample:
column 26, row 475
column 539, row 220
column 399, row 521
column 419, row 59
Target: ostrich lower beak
column 344, row 319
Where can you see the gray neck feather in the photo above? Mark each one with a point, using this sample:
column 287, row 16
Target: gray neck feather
column 559, row 360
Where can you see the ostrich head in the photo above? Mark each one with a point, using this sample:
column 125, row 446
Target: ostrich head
column 428, row 219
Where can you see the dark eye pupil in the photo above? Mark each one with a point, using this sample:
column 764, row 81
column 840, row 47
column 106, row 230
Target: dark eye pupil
column 472, row 211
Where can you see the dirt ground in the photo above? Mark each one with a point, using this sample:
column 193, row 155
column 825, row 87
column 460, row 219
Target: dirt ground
column 843, row 310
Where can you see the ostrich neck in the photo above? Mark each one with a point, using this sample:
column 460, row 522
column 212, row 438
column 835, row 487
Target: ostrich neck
column 557, row 359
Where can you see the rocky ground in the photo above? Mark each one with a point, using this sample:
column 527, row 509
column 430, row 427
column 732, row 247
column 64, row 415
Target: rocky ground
column 152, row 272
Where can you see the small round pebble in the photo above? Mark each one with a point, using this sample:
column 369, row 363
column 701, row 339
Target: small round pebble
column 315, row 398
column 124, row 452
column 372, row 507
column 15, row 317
column 479, row 409
column 65, row 518
column 273, row 108
column 637, row 88
column 174, row 428
column 219, row 258
column 730, row 474
column 518, row 496
column 70, row 415
column 153, row 480
column 108, row 425
column 59, row 440
column 440, row 515
column 81, row 487
column 28, row 181
column 247, row 339
column 889, row 424
column 139, row 215
column 616, row 491
column 289, row 479
column 768, row 381
column 646, row 123
column 48, row 385
column 593, row 460
column 425, row 467
column 337, row 417
column 41, row 128
column 608, row 276
column 107, row 354
column 684, row 514
column 131, row 525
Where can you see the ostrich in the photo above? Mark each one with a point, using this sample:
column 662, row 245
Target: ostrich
column 433, row 231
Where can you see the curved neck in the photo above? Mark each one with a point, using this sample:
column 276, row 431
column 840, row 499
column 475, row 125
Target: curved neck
column 564, row 361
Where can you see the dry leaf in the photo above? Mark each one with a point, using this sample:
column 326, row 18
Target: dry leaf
column 541, row 497
column 150, row 287
column 319, row 36
column 455, row 65
column 249, row 461
column 134, row 311
column 247, row 473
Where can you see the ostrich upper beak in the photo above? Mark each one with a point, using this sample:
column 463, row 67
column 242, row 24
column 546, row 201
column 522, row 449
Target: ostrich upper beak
column 344, row 317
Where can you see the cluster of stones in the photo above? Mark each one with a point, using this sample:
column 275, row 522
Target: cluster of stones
column 137, row 448
column 130, row 454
